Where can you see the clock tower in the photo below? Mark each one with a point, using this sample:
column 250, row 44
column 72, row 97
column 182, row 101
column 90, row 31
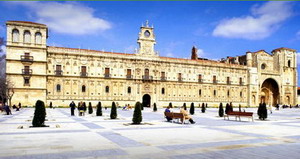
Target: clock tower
column 146, row 41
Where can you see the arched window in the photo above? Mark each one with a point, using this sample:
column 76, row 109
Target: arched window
column 289, row 63
column 241, row 94
column 263, row 66
column 83, row 89
column 27, row 37
column 129, row 90
column 163, row 91
column 15, row 35
column 228, row 93
column 200, row 92
column 58, row 88
column 38, row 38
column 215, row 92
column 253, row 99
column 107, row 89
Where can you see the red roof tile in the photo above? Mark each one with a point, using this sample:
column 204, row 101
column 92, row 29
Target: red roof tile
column 26, row 22
column 284, row 48
column 91, row 50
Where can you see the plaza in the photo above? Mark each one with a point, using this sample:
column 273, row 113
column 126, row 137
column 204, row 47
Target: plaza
column 92, row 136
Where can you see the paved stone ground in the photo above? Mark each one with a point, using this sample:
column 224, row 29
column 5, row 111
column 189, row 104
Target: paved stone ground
column 99, row 137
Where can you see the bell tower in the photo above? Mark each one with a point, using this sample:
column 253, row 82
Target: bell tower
column 146, row 41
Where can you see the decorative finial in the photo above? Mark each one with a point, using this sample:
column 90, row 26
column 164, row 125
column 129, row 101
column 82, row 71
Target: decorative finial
column 147, row 23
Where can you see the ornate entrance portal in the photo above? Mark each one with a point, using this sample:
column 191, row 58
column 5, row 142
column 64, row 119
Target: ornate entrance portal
column 269, row 93
column 146, row 100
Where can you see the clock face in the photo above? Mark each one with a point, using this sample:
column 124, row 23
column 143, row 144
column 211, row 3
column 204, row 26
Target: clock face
column 147, row 33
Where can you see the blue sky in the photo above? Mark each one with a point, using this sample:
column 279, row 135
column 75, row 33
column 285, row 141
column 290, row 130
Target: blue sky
column 217, row 29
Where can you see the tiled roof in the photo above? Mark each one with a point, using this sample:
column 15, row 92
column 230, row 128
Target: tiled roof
column 128, row 54
column 26, row 22
column 284, row 48
column 88, row 50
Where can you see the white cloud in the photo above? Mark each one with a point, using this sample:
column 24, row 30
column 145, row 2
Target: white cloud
column 263, row 21
column 2, row 28
column 3, row 48
column 169, row 54
column 130, row 49
column 170, row 48
column 67, row 17
column 201, row 53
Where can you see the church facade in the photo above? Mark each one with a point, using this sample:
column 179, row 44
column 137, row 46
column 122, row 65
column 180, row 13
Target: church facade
column 61, row 75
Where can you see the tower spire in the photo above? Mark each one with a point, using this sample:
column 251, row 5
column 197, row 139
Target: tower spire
column 194, row 53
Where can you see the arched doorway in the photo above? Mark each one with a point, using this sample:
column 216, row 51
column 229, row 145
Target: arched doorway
column 269, row 92
column 146, row 100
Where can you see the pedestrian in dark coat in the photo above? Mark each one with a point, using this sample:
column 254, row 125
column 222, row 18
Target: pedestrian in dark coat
column 7, row 109
column 72, row 106
column 90, row 108
column 227, row 108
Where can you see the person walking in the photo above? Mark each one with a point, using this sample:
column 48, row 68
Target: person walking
column 80, row 108
column 270, row 108
column 72, row 106
column 7, row 109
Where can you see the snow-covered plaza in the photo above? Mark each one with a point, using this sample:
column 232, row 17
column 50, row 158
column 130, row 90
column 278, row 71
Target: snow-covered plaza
column 92, row 136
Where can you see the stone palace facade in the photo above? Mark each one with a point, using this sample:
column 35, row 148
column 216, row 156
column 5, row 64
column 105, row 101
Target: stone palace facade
column 61, row 75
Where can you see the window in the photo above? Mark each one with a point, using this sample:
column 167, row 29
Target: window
column 15, row 35
column 200, row 78
column 200, row 92
column 107, row 89
column 107, row 73
column 215, row 92
column 83, row 71
column 163, row 91
column 27, row 70
column 129, row 90
column 263, row 66
column 27, row 57
column 289, row 63
column 228, row 93
column 214, row 79
column 241, row 81
column 38, row 38
column 27, row 37
column 147, row 72
column 128, row 73
column 179, row 77
column 83, row 88
column 241, row 94
column 58, row 88
column 163, row 76
column 58, row 70
column 26, row 81
column 228, row 80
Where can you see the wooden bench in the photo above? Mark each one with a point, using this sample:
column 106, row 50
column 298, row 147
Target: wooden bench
column 239, row 115
column 175, row 116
